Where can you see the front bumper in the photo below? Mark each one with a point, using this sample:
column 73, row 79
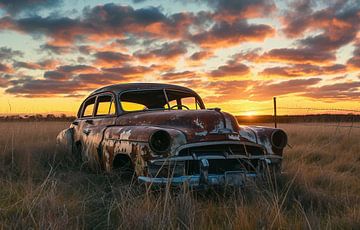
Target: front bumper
column 232, row 179
column 205, row 175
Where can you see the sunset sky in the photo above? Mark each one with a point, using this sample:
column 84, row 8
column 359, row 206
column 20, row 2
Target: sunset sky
column 237, row 54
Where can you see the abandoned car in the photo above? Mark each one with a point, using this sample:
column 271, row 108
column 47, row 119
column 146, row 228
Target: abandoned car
column 163, row 134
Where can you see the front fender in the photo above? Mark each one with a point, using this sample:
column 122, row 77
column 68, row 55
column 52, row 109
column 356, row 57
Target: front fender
column 134, row 142
column 261, row 135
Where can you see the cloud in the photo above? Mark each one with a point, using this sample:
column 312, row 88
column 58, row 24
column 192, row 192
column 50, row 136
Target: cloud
column 5, row 68
column 227, row 90
column 167, row 51
column 268, row 89
column 225, row 34
column 56, row 49
column 8, row 53
column 103, row 22
column 232, row 68
column 16, row 6
column 201, row 55
column 3, row 82
column 46, row 64
column 343, row 91
column 354, row 61
column 77, row 68
column 130, row 70
column 65, row 72
column 257, row 90
column 299, row 70
column 296, row 55
column 335, row 21
column 178, row 75
column 69, row 81
column 110, row 58
column 235, row 9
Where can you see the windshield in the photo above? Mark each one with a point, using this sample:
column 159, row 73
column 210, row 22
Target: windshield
column 141, row 100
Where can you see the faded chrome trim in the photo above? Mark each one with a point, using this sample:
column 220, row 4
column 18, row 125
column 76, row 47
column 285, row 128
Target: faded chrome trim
column 194, row 181
column 214, row 157
column 199, row 144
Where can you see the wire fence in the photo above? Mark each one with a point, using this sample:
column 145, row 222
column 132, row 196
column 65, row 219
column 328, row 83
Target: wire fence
column 304, row 116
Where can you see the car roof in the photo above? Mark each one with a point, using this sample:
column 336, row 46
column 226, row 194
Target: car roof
column 118, row 88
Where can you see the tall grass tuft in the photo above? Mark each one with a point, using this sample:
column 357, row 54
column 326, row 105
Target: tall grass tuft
column 320, row 188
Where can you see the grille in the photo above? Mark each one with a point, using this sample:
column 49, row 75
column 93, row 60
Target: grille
column 220, row 166
column 223, row 149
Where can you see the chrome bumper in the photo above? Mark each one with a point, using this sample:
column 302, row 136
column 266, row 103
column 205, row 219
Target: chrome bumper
column 203, row 178
column 231, row 179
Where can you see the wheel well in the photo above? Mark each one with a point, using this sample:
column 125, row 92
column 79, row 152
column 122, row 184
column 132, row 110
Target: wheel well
column 122, row 162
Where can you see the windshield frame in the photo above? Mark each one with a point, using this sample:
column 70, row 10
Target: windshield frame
column 194, row 94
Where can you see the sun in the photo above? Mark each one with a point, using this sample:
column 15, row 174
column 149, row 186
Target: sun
column 250, row 113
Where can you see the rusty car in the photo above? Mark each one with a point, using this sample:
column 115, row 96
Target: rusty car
column 163, row 134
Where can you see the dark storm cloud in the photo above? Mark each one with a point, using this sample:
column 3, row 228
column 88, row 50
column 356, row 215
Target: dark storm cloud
column 46, row 64
column 178, row 75
column 5, row 68
column 166, row 51
column 345, row 91
column 69, row 80
column 37, row 87
column 66, row 71
column 8, row 53
column 228, row 90
column 297, row 55
column 304, row 70
column 16, row 6
column 129, row 70
column 354, row 61
column 76, row 68
column 235, row 9
column 230, row 69
column 109, row 20
column 225, row 34
column 26, row 65
column 56, row 49
column 111, row 58
column 337, row 22
column 268, row 89
column 257, row 90
column 3, row 82
column 198, row 56
column 55, row 75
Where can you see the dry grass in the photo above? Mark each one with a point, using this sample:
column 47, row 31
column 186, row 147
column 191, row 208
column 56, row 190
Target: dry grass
column 320, row 189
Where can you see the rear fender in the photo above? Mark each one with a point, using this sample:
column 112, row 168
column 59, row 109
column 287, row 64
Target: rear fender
column 65, row 141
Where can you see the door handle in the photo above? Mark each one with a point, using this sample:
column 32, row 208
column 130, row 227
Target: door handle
column 86, row 131
column 75, row 122
column 89, row 122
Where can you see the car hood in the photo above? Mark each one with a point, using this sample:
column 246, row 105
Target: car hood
column 197, row 125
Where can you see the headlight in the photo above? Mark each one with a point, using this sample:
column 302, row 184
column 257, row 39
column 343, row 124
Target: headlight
column 278, row 139
column 160, row 141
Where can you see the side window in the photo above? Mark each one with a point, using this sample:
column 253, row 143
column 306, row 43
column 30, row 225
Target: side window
column 105, row 106
column 189, row 102
column 89, row 107
column 132, row 106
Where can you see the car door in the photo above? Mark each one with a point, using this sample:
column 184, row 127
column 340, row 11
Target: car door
column 103, row 115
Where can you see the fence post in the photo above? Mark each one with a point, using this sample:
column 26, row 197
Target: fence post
column 275, row 117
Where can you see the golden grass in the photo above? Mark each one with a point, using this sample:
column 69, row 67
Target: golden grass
column 320, row 188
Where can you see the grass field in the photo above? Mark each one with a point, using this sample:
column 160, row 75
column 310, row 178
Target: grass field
column 319, row 189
